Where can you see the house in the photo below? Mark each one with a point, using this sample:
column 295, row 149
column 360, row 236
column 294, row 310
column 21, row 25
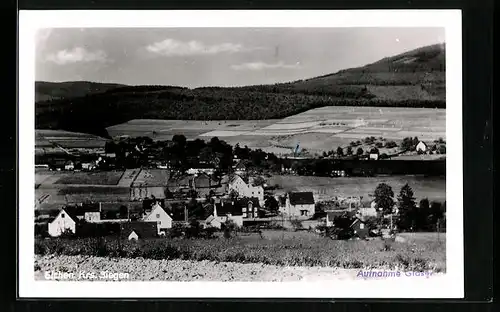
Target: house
column 299, row 204
column 69, row 165
column 159, row 216
column 244, row 189
column 360, row 229
column 249, row 207
column 203, row 180
column 138, row 230
column 90, row 213
column 224, row 211
column 66, row 219
column 332, row 214
column 421, row 147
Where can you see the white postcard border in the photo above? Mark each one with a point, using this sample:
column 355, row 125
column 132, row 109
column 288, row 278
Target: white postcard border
column 448, row 286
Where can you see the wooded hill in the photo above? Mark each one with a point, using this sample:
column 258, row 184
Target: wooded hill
column 412, row 79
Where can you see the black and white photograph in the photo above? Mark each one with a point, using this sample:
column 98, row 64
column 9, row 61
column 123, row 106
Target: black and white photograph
column 303, row 152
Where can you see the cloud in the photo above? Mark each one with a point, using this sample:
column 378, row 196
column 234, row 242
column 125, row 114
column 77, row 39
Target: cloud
column 255, row 66
column 172, row 47
column 77, row 55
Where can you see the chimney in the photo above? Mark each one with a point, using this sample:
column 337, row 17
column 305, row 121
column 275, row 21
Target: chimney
column 100, row 207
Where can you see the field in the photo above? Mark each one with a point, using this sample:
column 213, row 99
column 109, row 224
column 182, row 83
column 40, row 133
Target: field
column 324, row 188
column 99, row 178
column 44, row 139
column 275, row 248
column 317, row 130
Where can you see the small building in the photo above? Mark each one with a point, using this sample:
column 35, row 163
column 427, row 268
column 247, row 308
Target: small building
column 299, row 204
column 88, row 166
column 373, row 156
column 160, row 216
column 367, row 212
column 201, row 168
column 360, row 229
column 65, row 220
column 421, row 147
column 138, row 230
column 240, row 168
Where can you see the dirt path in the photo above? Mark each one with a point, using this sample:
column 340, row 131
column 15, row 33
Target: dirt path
column 183, row 270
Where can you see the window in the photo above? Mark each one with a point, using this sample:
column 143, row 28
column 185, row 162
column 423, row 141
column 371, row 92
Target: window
column 157, row 216
column 303, row 212
column 252, row 193
column 361, row 226
column 62, row 215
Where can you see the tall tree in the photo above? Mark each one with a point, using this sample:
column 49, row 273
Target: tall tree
column 407, row 208
column 384, row 198
column 359, row 151
column 349, row 150
column 340, row 151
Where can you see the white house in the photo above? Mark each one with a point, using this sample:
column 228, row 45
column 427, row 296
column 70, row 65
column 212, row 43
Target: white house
column 421, row 147
column 374, row 156
column 160, row 216
column 298, row 204
column 88, row 166
column 244, row 189
column 65, row 220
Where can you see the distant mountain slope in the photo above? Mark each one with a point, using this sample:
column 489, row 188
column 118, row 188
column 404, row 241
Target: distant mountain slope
column 70, row 89
column 412, row 79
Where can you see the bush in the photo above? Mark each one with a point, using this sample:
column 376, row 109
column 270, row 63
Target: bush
column 296, row 224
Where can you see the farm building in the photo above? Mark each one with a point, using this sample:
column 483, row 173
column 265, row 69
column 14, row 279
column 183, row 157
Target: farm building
column 298, row 204
column 244, row 189
column 374, row 156
column 138, row 230
column 224, row 211
column 160, row 216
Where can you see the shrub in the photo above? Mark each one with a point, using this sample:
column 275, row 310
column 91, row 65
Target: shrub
column 296, row 224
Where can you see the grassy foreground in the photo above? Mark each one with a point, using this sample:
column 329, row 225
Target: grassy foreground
column 274, row 249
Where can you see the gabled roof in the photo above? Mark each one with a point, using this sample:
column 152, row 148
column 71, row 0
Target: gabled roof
column 203, row 181
column 301, row 198
column 243, row 202
column 142, row 229
column 356, row 221
column 240, row 165
column 177, row 181
column 72, row 212
column 235, row 178
column 223, row 209
column 155, row 207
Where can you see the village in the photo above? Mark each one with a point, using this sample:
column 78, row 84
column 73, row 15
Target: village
column 213, row 191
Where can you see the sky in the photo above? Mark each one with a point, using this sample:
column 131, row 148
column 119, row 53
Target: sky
column 194, row 57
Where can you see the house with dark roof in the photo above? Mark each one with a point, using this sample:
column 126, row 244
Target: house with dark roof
column 138, row 230
column 299, row 204
column 223, row 211
column 360, row 228
column 249, row 207
column 331, row 215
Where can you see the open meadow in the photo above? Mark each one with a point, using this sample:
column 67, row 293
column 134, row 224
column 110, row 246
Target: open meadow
column 280, row 248
column 325, row 188
column 317, row 130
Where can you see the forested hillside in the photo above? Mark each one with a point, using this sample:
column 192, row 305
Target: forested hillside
column 412, row 79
